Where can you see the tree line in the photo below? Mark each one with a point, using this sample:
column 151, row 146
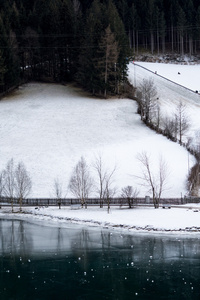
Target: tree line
column 175, row 127
column 90, row 41
column 63, row 40
column 15, row 182
column 162, row 26
column 88, row 180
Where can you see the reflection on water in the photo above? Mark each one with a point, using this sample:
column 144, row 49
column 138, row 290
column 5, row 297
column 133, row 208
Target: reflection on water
column 39, row 262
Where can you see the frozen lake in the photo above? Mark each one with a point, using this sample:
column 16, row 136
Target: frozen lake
column 74, row 262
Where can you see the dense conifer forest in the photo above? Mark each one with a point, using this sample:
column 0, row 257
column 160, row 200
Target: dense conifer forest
column 90, row 41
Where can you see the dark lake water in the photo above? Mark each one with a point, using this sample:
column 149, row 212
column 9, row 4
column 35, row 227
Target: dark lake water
column 50, row 262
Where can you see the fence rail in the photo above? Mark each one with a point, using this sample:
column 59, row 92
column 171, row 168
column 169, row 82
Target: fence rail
column 96, row 201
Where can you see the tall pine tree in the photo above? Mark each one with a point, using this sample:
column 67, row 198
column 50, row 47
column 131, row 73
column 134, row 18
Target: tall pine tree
column 104, row 58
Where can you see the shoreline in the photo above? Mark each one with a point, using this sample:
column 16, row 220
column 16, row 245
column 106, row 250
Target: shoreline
column 91, row 217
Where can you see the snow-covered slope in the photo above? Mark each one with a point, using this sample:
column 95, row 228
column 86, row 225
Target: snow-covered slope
column 49, row 127
column 185, row 75
column 170, row 94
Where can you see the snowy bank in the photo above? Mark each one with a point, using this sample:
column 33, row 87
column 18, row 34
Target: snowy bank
column 183, row 219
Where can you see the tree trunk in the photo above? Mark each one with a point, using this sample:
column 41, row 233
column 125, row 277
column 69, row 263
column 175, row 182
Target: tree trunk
column 158, row 48
column 152, row 43
column 172, row 38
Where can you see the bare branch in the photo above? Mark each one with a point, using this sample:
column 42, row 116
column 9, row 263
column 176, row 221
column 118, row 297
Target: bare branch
column 156, row 184
column 147, row 100
column 182, row 120
column 23, row 183
column 9, row 181
column 105, row 175
column 58, row 191
column 81, row 182
column 130, row 194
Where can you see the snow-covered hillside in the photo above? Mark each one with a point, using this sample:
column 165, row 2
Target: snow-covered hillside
column 49, row 127
column 170, row 94
column 185, row 75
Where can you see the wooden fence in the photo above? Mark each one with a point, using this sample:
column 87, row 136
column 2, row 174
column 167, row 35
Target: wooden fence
column 96, row 201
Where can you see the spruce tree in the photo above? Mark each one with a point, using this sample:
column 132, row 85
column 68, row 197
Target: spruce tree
column 103, row 21
column 190, row 19
column 66, row 40
column 197, row 26
column 181, row 29
column 87, row 75
column 2, row 72
column 117, row 27
column 9, row 54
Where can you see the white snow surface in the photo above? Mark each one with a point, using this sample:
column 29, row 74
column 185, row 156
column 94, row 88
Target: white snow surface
column 141, row 219
column 50, row 126
column 185, row 75
column 181, row 88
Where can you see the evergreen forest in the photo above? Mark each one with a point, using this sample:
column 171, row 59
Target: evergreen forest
column 90, row 41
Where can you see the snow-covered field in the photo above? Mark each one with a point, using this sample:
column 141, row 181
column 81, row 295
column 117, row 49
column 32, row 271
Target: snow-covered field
column 49, row 127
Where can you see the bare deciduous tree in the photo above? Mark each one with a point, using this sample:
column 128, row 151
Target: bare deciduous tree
column 157, row 116
column 109, row 190
column 162, row 178
column 130, row 194
column 182, row 120
column 23, row 183
column 9, row 181
column 105, row 175
column 147, row 100
column 16, row 182
column 58, row 191
column 156, row 183
column 99, row 168
column 1, row 184
column 193, row 179
column 81, row 182
column 195, row 143
column 170, row 128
